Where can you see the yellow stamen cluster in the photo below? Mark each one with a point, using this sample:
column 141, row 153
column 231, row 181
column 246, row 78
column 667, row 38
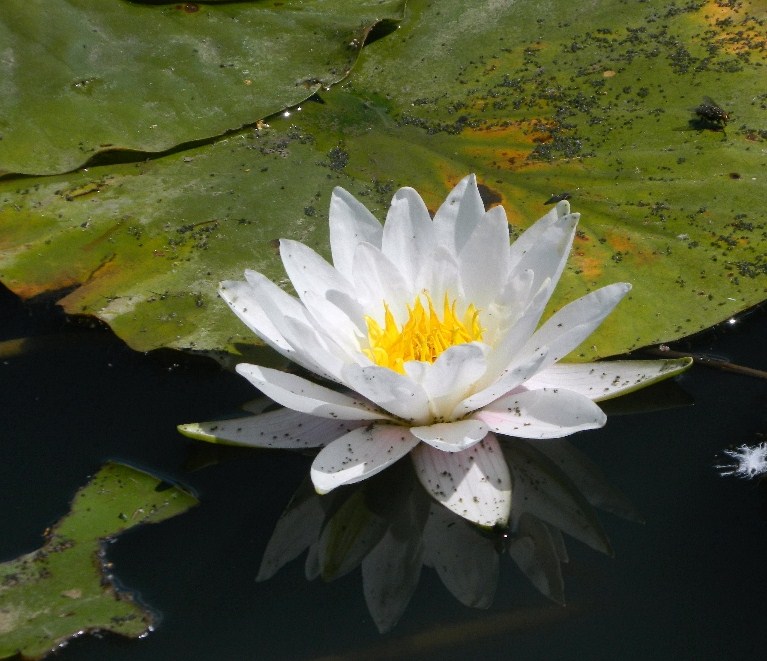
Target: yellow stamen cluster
column 424, row 336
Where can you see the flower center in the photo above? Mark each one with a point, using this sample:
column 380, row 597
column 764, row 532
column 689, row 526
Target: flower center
column 424, row 336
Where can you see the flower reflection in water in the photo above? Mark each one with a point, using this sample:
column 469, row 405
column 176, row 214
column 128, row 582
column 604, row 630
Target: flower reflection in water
column 390, row 527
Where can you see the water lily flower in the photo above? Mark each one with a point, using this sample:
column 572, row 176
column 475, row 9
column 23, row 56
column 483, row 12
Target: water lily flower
column 431, row 329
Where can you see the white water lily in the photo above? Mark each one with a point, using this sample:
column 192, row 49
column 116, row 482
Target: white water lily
column 431, row 327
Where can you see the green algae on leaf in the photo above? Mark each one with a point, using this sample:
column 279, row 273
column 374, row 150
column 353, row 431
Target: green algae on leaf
column 65, row 588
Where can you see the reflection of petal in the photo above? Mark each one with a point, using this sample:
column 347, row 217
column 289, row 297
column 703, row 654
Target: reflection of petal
column 536, row 554
column 545, row 491
column 391, row 571
column 297, row 529
column 465, row 560
column 348, row 536
column 587, row 477
column 474, row 484
column 361, row 453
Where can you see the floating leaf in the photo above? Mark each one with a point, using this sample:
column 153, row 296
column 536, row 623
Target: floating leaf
column 597, row 105
column 80, row 77
column 65, row 588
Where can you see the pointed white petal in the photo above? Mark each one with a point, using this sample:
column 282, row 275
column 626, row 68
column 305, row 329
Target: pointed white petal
column 465, row 559
column 393, row 392
column 378, row 281
column 542, row 414
column 441, row 277
column 452, row 436
column 350, row 224
column 408, row 235
column 459, row 214
column 301, row 395
column 327, row 295
column 545, row 246
column 288, row 316
column 511, row 377
column 568, row 327
column 280, row 430
column 484, row 259
column 506, row 351
column 475, row 483
column 452, row 376
column 246, row 304
column 599, row 381
column 360, row 454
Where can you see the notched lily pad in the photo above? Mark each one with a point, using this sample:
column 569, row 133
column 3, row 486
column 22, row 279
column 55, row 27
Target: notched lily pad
column 65, row 588
column 87, row 76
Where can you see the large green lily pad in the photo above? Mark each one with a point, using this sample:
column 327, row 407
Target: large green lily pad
column 65, row 588
column 597, row 103
column 79, row 77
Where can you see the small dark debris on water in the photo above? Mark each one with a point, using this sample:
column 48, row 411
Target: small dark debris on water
column 557, row 197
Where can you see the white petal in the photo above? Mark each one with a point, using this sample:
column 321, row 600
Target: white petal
column 377, row 281
column 568, row 327
column 441, row 277
column 396, row 393
column 542, row 414
column 545, row 246
column 350, row 224
column 246, row 304
column 288, row 315
column 408, row 235
column 507, row 350
column 459, row 214
column 301, row 395
column 484, row 259
column 512, row 377
column 452, row 376
column 281, row 429
column 323, row 290
column 452, row 436
column 360, row 454
column 475, row 483
column 599, row 381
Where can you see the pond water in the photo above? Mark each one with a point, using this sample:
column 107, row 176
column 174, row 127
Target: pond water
column 688, row 583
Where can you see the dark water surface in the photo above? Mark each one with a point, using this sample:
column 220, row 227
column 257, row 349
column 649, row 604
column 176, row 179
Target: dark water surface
column 690, row 583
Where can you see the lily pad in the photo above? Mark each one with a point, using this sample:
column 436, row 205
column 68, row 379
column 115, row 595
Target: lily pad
column 66, row 588
column 598, row 106
column 78, row 77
